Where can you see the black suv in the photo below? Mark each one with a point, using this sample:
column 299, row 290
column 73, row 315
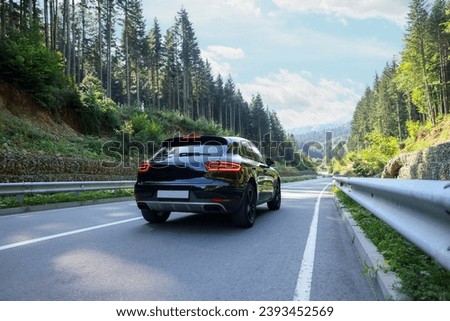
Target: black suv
column 207, row 174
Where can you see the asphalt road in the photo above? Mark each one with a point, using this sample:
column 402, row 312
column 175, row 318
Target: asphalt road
column 108, row 252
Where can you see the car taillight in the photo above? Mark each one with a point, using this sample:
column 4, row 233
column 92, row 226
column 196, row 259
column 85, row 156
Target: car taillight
column 144, row 167
column 219, row 166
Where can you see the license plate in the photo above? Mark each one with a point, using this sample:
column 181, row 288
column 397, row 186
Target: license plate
column 173, row 194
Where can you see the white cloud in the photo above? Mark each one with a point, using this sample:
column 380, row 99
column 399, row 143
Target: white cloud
column 246, row 7
column 362, row 9
column 227, row 52
column 300, row 101
column 218, row 57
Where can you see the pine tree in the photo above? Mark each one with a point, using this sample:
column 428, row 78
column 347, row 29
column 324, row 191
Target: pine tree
column 189, row 57
column 155, row 63
column 417, row 54
column 171, row 72
column 210, row 92
column 109, row 35
column 440, row 52
column 260, row 122
column 218, row 100
column 229, row 104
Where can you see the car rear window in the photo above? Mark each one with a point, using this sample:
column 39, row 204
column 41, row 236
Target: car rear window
column 189, row 151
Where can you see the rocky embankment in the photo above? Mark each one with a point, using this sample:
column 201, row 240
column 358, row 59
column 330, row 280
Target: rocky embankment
column 432, row 163
column 16, row 167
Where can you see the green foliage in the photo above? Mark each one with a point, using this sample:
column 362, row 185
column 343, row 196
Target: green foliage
column 422, row 278
column 155, row 126
column 287, row 171
column 98, row 114
column 413, row 129
column 412, row 143
column 382, row 108
column 28, row 65
column 259, row 120
column 146, row 129
column 370, row 161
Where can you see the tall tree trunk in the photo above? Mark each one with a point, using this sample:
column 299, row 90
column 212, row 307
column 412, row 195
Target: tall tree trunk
column 138, row 85
column 127, row 55
column 110, row 5
column 399, row 122
column 53, row 23
column 2, row 18
column 73, row 50
column 47, row 42
column 431, row 109
column 158, row 86
column 100, row 41
column 444, row 68
column 68, row 49
column 11, row 13
column 83, row 40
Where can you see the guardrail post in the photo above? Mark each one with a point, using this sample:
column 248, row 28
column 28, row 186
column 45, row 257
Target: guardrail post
column 20, row 198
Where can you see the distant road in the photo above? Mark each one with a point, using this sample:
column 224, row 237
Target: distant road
column 108, row 252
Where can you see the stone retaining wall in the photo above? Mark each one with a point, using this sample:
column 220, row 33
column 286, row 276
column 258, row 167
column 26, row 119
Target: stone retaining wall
column 16, row 167
column 432, row 163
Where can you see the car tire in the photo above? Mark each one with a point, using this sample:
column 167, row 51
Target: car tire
column 245, row 216
column 155, row 217
column 275, row 203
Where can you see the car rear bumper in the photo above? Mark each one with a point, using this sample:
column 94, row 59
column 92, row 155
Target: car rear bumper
column 222, row 198
column 191, row 207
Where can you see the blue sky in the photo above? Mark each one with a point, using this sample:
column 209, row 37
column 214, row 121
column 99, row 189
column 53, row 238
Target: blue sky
column 310, row 60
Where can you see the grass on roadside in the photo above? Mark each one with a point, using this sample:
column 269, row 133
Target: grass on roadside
column 43, row 199
column 422, row 278
column 22, row 135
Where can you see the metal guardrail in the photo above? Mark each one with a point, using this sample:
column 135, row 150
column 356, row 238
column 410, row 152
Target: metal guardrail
column 417, row 209
column 21, row 189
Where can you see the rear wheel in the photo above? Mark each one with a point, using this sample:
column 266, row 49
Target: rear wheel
column 245, row 216
column 155, row 216
column 275, row 203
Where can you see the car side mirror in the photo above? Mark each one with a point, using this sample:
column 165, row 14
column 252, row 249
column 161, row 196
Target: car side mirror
column 270, row 161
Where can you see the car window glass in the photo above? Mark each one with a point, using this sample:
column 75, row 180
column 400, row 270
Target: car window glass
column 250, row 151
column 257, row 153
column 233, row 148
column 246, row 151
column 187, row 151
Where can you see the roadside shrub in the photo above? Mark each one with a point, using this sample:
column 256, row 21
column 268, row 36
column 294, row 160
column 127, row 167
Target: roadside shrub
column 146, row 129
column 98, row 113
column 413, row 128
column 371, row 160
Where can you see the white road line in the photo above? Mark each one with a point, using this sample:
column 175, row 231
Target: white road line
column 54, row 236
column 303, row 287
